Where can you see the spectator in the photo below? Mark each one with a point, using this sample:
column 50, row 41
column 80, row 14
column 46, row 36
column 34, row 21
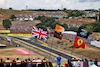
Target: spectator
column 1, row 63
column 85, row 63
column 23, row 64
column 99, row 63
column 18, row 63
column 1, row 60
column 69, row 62
column 81, row 63
column 95, row 62
column 44, row 64
column 38, row 62
column 50, row 64
column 76, row 63
column 13, row 64
column 72, row 62
column 26, row 65
column 29, row 64
column 89, row 63
column 92, row 62
column 58, row 60
column 34, row 64
column 8, row 62
column 66, row 65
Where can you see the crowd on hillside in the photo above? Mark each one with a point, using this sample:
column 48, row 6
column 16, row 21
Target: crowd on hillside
column 25, row 63
column 82, row 63
column 22, row 26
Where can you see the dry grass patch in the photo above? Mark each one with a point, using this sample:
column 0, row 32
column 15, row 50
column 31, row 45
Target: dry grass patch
column 90, row 52
column 9, row 53
column 76, row 21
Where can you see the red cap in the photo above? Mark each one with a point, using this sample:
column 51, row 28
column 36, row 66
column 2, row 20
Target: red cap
column 59, row 54
column 44, row 59
column 38, row 58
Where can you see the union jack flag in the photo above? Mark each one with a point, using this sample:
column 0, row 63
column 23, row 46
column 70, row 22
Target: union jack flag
column 39, row 33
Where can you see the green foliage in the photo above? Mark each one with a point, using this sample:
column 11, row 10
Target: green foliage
column 75, row 29
column 74, row 13
column 58, row 42
column 12, row 16
column 10, row 8
column 83, row 26
column 64, row 48
column 43, row 27
column 39, row 24
column 66, row 44
column 65, row 26
column 61, row 44
column 72, row 46
column 47, row 21
column 89, row 28
column 97, row 29
column 64, row 9
column 70, row 40
column 6, row 23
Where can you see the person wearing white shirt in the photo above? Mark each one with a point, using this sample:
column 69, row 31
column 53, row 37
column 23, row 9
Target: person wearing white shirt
column 8, row 64
column 18, row 63
column 98, row 63
column 38, row 62
column 34, row 64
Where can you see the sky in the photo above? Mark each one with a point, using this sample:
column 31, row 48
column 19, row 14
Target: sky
column 50, row 4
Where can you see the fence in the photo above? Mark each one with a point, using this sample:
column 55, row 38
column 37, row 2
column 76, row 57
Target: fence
column 25, row 64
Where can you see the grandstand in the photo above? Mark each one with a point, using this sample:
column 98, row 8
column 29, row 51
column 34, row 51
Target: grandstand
column 2, row 46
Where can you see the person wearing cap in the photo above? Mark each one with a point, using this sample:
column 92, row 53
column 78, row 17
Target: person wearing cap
column 13, row 64
column 38, row 62
column 26, row 62
column 44, row 64
column 72, row 62
column 33, row 62
column 58, row 60
column 18, row 63
column 77, row 63
column 8, row 62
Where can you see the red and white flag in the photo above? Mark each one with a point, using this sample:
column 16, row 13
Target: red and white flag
column 39, row 33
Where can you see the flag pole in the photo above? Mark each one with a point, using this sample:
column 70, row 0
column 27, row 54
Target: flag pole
column 51, row 46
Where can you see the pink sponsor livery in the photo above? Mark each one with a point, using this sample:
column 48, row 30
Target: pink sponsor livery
column 23, row 51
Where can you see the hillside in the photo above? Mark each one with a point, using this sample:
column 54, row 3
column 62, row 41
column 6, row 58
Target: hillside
column 4, row 13
column 76, row 21
column 90, row 52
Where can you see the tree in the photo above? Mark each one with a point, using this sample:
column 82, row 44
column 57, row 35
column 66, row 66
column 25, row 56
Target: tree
column 10, row 8
column 97, row 29
column 74, row 13
column 89, row 28
column 64, row 9
column 83, row 25
column 6, row 23
column 75, row 29
column 12, row 16
column 65, row 26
